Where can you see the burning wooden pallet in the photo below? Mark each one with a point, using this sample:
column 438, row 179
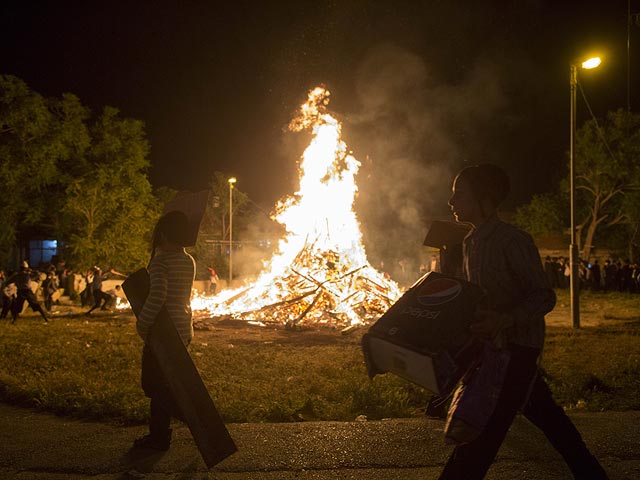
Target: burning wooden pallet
column 316, row 289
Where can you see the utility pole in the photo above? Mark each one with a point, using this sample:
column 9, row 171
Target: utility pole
column 628, row 56
column 232, row 180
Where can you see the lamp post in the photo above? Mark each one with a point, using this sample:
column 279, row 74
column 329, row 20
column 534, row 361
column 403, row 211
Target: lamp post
column 232, row 180
column 573, row 249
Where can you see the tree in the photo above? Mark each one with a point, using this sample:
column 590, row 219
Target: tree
column 110, row 210
column 608, row 172
column 632, row 209
column 544, row 214
column 42, row 143
column 607, row 162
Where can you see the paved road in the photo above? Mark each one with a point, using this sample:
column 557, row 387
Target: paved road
column 44, row 447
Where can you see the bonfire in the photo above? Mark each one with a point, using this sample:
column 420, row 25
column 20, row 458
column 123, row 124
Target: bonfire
column 320, row 273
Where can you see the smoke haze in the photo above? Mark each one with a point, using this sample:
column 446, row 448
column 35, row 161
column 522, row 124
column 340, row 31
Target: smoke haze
column 412, row 133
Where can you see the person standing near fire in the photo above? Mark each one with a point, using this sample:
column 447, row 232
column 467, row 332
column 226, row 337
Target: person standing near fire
column 213, row 281
column 504, row 261
column 171, row 275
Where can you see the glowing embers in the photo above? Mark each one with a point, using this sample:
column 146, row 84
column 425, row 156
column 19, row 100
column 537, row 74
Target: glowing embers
column 320, row 273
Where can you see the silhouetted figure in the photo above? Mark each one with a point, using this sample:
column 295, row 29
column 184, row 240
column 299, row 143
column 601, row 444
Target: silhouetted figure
column 610, row 274
column 635, row 277
column 68, row 280
column 550, row 270
column 619, row 276
column 86, row 296
column 596, row 276
column 562, row 279
column 100, row 298
column 24, row 293
column 171, row 274
column 7, row 294
column 49, row 287
column 625, row 276
column 504, row 261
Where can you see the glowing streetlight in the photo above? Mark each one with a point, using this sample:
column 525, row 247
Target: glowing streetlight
column 231, row 181
column 591, row 63
column 573, row 249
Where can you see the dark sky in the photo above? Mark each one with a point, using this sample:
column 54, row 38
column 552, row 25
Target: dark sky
column 423, row 87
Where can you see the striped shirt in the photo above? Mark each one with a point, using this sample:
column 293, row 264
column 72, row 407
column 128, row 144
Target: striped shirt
column 504, row 261
column 171, row 280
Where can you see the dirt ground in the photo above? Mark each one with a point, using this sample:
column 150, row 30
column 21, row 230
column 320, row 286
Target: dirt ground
column 241, row 332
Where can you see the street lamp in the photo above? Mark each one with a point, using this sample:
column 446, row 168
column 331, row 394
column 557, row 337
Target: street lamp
column 573, row 249
column 231, row 181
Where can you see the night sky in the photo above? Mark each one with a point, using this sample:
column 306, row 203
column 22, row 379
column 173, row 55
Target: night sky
column 423, row 87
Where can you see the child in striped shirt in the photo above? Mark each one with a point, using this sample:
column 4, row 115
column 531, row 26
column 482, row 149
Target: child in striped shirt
column 171, row 273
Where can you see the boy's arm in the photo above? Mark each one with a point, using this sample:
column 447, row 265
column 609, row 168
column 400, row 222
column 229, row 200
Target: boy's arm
column 539, row 298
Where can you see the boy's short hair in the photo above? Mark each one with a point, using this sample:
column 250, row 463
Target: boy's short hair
column 487, row 181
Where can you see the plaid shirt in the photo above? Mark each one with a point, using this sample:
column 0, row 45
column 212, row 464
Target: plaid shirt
column 504, row 261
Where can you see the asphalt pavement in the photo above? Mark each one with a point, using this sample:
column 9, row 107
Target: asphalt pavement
column 41, row 446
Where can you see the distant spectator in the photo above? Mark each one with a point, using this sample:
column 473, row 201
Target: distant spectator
column 558, row 267
column 610, row 271
column 60, row 267
column 625, row 277
column 100, row 298
column 584, row 274
column 213, row 280
column 86, row 296
column 596, row 277
column 635, row 277
column 49, row 287
column 7, row 293
column 22, row 280
column 567, row 275
column 550, row 271
column 69, row 283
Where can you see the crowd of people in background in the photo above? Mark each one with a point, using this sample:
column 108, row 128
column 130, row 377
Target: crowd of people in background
column 613, row 276
column 41, row 288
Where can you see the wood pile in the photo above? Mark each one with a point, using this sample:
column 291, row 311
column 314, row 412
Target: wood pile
column 317, row 288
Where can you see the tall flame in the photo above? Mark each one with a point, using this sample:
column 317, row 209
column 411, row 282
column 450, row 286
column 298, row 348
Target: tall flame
column 320, row 272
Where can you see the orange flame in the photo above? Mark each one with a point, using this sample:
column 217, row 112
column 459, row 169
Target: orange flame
column 321, row 261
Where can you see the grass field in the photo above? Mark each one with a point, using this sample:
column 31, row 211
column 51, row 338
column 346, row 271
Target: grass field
column 90, row 367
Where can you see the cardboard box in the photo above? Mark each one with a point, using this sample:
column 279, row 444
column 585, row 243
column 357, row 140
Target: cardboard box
column 424, row 337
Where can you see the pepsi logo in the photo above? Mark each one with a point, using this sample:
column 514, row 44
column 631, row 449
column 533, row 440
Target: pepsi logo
column 439, row 291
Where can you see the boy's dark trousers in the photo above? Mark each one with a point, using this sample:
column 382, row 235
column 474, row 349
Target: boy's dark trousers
column 471, row 461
